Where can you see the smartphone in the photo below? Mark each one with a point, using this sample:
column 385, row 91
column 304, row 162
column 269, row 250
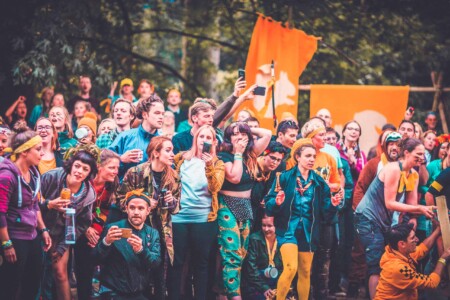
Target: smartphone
column 126, row 232
column 411, row 109
column 259, row 91
column 241, row 73
column 206, row 147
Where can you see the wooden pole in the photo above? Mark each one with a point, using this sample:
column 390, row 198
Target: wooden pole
column 441, row 108
column 436, row 78
column 444, row 222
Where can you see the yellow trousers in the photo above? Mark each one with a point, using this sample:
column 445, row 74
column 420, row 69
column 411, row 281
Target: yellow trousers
column 295, row 262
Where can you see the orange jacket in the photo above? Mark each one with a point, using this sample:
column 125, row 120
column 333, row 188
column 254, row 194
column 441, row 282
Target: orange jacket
column 399, row 278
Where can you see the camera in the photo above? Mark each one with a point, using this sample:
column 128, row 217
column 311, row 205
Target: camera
column 260, row 91
column 271, row 272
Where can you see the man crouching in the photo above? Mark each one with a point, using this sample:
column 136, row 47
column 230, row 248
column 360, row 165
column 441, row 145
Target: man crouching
column 127, row 251
column 399, row 278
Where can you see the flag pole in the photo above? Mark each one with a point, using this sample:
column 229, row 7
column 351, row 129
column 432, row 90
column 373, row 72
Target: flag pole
column 272, row 72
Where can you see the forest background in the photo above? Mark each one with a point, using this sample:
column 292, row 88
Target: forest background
column 197, row 46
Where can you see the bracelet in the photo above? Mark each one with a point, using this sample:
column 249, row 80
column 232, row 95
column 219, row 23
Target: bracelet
column 45, row 229
column 7, row 244
column 105, row 243
column 237, row 156
column 442, row 261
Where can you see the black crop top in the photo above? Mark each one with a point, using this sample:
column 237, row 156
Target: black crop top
column 246, row 182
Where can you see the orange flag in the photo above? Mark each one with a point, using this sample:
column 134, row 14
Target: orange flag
column 371, row 106
column 291, row 50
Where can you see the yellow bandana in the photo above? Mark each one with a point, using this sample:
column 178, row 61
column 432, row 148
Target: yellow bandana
column 314, row 132
column 407, row 181
column 26, row 146
column 384, row 159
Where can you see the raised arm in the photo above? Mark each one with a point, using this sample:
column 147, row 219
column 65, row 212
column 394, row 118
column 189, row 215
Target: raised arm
column 264, row 136
column 12, row 108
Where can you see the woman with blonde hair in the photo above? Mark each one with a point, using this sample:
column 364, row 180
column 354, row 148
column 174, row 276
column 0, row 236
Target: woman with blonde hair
column 157, row 178
column 59, row 116
column 195, row 227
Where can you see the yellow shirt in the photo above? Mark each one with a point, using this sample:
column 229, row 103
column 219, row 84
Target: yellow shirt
column 46, row 165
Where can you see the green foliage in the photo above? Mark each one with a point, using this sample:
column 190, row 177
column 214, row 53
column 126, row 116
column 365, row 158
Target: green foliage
column 173, row 43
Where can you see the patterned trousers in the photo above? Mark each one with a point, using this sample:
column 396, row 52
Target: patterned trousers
column 233, row 242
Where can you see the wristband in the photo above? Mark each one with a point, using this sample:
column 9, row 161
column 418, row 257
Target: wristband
column 7, row 244
column 46, row 203
column 238, row 156
column 45, row 229
column 442, row 261
column 105, row 243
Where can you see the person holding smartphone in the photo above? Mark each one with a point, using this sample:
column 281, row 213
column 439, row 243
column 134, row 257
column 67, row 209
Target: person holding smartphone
column 127, row 262
column 161, row 182
column 195, row 226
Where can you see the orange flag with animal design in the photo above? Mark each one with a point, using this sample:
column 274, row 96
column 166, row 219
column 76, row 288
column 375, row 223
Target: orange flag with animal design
column 291, row 50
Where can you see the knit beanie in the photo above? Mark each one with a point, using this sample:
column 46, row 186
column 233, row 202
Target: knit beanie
column 89, row 120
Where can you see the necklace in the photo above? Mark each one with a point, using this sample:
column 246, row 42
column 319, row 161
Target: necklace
column 98, row 202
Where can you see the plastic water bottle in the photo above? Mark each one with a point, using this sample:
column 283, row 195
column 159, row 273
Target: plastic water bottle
column 70, row 226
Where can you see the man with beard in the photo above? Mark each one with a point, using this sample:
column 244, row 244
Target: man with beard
column 128, row 250
column 390, row 146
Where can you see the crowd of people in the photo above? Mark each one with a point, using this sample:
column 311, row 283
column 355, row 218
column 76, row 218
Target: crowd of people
column 155, row 202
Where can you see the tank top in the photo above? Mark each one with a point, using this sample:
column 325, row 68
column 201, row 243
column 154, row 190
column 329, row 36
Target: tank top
column 373, row 207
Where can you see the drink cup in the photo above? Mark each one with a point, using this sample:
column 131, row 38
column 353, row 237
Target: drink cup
column 65, row 194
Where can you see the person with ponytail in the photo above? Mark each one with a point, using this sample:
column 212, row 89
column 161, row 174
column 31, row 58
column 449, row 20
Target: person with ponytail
column 80, row 167
column 374, row 214
column 105, row 184
column 158, row 180
column 239, row 153
column 22, row 229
